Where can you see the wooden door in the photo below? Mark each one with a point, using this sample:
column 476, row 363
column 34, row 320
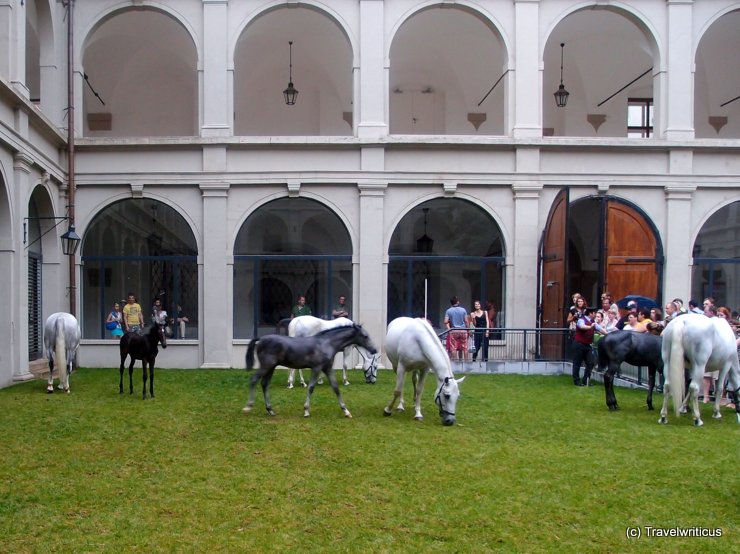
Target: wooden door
column 554, row 262
column 634, row 260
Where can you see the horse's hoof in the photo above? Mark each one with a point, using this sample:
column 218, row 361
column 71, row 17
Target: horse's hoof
column 698, row 423
column 346, row 383
column 246, row 409
column 663, row 420
column 717, row 415
column 305, row 385
column 50, row 390
column 650, row 407
column 400, row 410
column 290, row 385
column 270, row 411
column 306, row 414
column 387, row 412
column 682, row 411
column 613, row 408
column 419, row 418
column 347, row 414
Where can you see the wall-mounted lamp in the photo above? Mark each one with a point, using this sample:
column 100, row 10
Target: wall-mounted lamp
column 561, row 95
column 290, row 93
column 70, row 240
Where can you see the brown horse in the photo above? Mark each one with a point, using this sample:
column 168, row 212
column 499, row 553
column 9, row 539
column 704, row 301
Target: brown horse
column 144, row 348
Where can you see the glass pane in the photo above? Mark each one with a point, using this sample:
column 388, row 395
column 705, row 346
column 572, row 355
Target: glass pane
column 139, row 227
column 431, row 283
column 635, row 115
column 293, row 226
column 720, row 235
column 448, row 227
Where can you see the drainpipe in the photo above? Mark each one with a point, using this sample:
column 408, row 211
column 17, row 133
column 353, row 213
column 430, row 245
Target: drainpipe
column 71, row 152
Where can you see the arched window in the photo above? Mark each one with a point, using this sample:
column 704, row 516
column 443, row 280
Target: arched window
column 141, row 246
column 288, row 248
column 441, row 248
column 716, row 270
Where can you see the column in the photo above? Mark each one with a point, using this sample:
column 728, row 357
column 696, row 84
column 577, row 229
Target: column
column 526, row 95
column 679, row 112
column 370, row 274
column 523, row 285
column 216, row 330
column 214, row 74
column 678, row 245
column 22, row 165
column 373, row 94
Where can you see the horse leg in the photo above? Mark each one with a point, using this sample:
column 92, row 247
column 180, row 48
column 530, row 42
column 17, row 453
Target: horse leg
column 151, row 378
column 335, row 387
column 345, row 353
column 315, row 372
column 131, row 376
column 693, row 397
column 397, row 393
column 252, row 382
column 418, row 389
column 291, row 377
column 266, row 378
column 651, row 386
column 120, row 383
column 50, row 382
column 143, row 374
column 611, row 399
column 666, row 395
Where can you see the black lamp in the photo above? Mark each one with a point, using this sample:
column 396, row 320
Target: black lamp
column 290, row 93
column 70, row 241
column 425, row 243
column 561, row 96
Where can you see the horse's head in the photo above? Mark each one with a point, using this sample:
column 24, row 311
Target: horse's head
column 446, row 399
column 363, row 339
column 161, row 334
column 370, row 367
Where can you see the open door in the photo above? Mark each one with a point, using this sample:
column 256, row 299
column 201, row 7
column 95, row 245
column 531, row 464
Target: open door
column 634, row 261
column 554, row 262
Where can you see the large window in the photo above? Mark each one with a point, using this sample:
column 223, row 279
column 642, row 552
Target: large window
column 141, row 246
column 716, row 270
column 288, row 248
column 441, row 248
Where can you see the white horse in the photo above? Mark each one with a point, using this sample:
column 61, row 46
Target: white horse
column 412, row 345
column 705, row 344
column 308, row 325
column 61, row 339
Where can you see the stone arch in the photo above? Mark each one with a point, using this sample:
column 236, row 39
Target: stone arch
column 115, row 54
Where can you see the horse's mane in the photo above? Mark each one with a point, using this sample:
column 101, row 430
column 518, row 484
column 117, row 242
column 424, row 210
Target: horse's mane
column 428, row 329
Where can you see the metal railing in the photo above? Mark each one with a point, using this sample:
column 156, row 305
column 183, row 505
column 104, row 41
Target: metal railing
column 539, row 344
column 512, row 345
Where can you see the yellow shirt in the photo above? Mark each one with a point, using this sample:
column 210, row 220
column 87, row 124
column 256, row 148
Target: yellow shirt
column 132, row 314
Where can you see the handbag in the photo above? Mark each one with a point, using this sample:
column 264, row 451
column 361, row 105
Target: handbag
column 111, row 325
column 471, row 344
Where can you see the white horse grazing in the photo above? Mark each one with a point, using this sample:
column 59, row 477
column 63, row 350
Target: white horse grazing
column 412, row 345
column 308, row 325
column 703, row 344
column 61, row 339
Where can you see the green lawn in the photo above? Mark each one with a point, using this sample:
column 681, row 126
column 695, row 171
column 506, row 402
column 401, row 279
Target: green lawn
column 534, row 465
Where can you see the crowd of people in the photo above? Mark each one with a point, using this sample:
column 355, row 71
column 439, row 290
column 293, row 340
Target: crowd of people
column 468, row 333
column 130, row 319
column 588, row 325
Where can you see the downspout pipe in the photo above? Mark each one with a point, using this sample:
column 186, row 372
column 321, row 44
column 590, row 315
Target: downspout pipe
column 71, row 185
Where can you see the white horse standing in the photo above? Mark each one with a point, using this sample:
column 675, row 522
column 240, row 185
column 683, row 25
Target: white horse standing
column 705, row 344
column 308, row 325
column 61, row 339
column 412, row 345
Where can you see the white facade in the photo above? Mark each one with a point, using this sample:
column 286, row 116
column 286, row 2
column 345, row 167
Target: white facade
column 392, row 113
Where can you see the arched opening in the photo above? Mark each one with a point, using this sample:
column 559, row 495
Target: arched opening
column 445, row 247
column 288, row 248
column 443, row 64
column 142, row 246
column 608, row 61
column 140, row 94
column 322, row 73
column 716, row 270
column 717, row 80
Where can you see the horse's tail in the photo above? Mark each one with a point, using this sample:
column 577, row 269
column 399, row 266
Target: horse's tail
column 60, row 346
column 250, row 353
column 676, row 367
column 428, row 328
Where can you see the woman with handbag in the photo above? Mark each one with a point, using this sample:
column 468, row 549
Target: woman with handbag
column 480, row 323
column 113, row 323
